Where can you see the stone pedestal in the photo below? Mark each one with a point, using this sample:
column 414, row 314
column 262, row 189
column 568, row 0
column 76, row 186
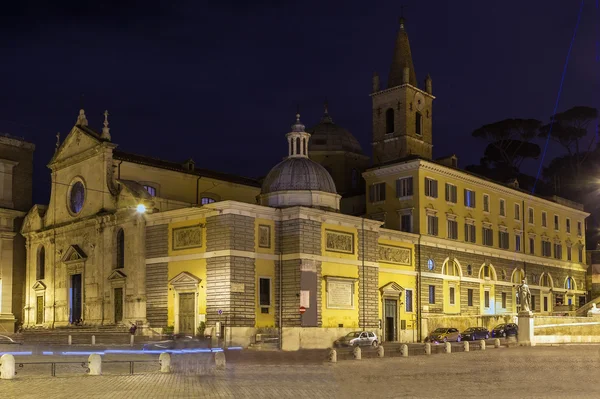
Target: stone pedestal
column 525, row 336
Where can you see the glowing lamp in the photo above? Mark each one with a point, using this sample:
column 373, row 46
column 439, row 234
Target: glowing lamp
column 141, row 208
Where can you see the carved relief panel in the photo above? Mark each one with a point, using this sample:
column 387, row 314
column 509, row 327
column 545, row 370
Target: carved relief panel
column 187, row 237
column 339, row 241
column 392, row 254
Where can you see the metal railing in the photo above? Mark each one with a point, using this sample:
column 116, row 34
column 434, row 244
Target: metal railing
column 84, row 364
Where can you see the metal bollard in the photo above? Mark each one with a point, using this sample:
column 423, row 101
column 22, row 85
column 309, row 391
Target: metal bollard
column 447, row 347
column 131, row 339
column 380, row 351
column 165, row 362
column 93, row 340
column 95, row 364
column 332, row 356
column 220, row 360
column 357, row 353
column 497, row 343
column 428, row 348
column 404, row 350
column 482, row 343
column 7, row 367
column 466, row 345
column 70, row 340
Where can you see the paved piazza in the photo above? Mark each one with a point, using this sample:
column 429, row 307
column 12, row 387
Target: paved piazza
column 540, row 372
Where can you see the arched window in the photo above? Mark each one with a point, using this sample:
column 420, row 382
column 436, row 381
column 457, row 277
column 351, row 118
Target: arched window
column 206, row 200
column 41, row 263
column 418, row 123
column 518, row 276
column 120, row 249
column 569, row 283
column 545, row 280
column 389, row 121
column 297, row 145
column 451, row 269
column 487, row 272
column 304, row 147
column 469, row 270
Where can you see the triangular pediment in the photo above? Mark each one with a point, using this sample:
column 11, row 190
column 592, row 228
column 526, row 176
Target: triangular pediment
column 117, row 275
column 185, row 278
column 74, row 254
column 392, row 288
column 79, row 140
column 39, row 286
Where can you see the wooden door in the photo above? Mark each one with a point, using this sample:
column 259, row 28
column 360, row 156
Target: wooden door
column 391, row 319
column 76, row 298
column 187, row 313
column 118, row 305
column 39, row 310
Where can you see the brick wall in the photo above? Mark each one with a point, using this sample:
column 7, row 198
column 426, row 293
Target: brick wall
column 157, row 241
column 300, row 236
column 290, row 270
column 238, row 308
column 368, row 294
column 371, row 239
column 235, row 232
column 157, row 292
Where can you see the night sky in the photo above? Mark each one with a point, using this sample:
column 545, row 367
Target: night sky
column 220, row 81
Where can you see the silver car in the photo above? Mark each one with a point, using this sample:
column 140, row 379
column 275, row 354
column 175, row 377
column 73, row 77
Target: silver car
column 358, row 338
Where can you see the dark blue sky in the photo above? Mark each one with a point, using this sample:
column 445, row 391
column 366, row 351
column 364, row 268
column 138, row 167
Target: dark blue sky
column 219, row 81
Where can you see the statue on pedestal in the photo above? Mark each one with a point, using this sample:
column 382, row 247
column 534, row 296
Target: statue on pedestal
column 524, row 296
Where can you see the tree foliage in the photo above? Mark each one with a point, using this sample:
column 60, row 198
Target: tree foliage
column 510, row 141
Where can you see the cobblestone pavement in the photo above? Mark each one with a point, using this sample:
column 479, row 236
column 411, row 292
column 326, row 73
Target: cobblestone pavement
column 539, row 372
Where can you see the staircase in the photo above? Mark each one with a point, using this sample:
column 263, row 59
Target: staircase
column 582, row 311
column 104, row 335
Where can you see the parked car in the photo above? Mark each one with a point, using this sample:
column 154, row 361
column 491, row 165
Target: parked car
column 504, row 330
column 475, row 333
column 444, row 334
column 358, row 338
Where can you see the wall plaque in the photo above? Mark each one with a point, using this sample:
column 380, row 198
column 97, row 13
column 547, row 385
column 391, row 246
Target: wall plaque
column 264, row 236
column 238, row 287
column 305, row 298
column 391, row 254
column 340, row 294
column 187, row 237
column 338, row 241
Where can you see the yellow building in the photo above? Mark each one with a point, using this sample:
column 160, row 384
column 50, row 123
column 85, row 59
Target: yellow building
column 292, row 266
column 478, row 239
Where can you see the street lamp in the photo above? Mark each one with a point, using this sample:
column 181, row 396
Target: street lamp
column 141, row 208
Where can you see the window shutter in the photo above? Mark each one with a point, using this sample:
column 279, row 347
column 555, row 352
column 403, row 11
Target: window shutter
column 409, row 186
column 427, row 187
column 372, row 193
column 473, row 199
column 398, row 188
column 382, row 192
column 466, row 199
column 435, row 189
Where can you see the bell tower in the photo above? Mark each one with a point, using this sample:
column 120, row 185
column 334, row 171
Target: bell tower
column 402, row 112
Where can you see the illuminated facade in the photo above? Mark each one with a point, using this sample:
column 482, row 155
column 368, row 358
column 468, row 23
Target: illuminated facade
column 477, row 238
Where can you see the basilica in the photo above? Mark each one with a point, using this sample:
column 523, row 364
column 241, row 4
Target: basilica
column 330, row 241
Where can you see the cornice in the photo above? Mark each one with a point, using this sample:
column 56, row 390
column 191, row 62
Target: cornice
column 391, row 89
column 417, row 164
column 12, row 213
column 498, row 253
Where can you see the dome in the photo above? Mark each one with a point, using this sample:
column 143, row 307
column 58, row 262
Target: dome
column 327, row 136
column 298, row 180
column 298, row 174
